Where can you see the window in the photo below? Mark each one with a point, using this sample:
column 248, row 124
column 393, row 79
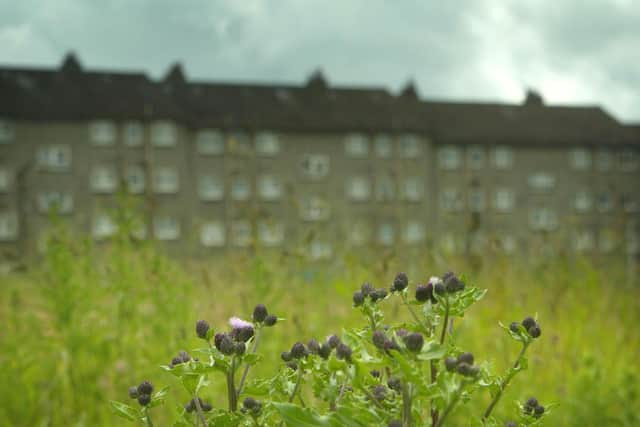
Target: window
column 359, row 188
column 383, row 146
column 55, row 201
column 449, row 157
column 409, row 146
column 386, row 234
column 358, row 233
column 475, row 157
column 164, row 134
column 605, row 201
column 238, row 142
column 503, row 157
column 212, row 234
column 102, row 132
column 133, row 134
column 629, row 204
column 6, row 131
column 385, row 188
column 209, row 143
column 476, row 200
column 604, row 160
column 319, row 250
column 135, row 179
column 315, row 166
column 8, row 226
column 580, row 158
column 412, row 189
column 414, row 232
column 315, row 208
column 628, row 160
column 166, row 228
column 584, row 241
column 5, row 179
column 165, row 180
column 55, row 158
column 541, row 181
column 606, row 241
column 241, row 233
column 543, row 219
column 104, row 179
column 210, row 188
column 103, row 226
column 270, row 233
column 269, row 187
column 451, row 200
column 583, row 201
column 240, row 188
column 504, row 200
column 267, row 144
column 356, row 145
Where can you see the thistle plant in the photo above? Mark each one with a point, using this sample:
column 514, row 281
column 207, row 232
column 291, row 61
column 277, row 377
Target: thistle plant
column 407, row 374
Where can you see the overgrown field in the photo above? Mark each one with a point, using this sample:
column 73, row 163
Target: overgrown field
column 89, row 322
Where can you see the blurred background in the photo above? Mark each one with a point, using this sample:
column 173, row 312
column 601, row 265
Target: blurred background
column 163, row 162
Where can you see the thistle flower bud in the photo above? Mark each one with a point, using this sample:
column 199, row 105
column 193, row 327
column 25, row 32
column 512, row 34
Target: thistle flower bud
column 535, row 331
column 391, row 344
column 343, row 351
column 514, row 327
column 190, row 406
column 286, row 356
column 260, row 313
column 466, row 358
column 366, row 289
column 324, row 351
column 243, row 333
column 424, row 292
column 298, row 351
column 450, row 363
column 202, row 327
column 175, row 361
column 184, row 356
column 145, row 387
column 133, row 392
column 379, row 393
column 414, row 342
column 439, row 289
column 227, row 346
column 538, row 411
column 144, row 399
column 528, row 322
column 206, row 407
column 379, row 339
column 292, row 365
column 447, row 275
column 358, row 298
column 400, row 283
column 532, row 402
column 313, row 346
column 378, row 294
column 375, row 373
column 252, row 405
column 464, row 369
column 475, row 370
column 217, row 339
column 270, row 320
column 452, row 284
column 395, row 423
column 333, row 341
column 240, row 348
column 394, row 383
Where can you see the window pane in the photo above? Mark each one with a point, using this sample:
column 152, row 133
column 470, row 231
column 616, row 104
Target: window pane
column 102, row 132
column 164, row 134
column 383, row 146
column 212, row 234
column 356, row 145
column 210, row 188
column 269, row 187
column 133, row 134
column 359, row 188
column 315, row 166
column 267, row 144
column 209, row 142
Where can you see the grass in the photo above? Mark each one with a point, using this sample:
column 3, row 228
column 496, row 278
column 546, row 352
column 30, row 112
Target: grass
column 90, row 321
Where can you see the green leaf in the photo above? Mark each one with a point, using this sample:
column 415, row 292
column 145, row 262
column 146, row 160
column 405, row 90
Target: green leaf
column 432, row 351
column 125, row 411
column 297, row 416
column 251, row 358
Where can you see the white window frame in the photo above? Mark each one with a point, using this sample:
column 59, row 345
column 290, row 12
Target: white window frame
column 213, row 234
column 315, row 166
column 503, row 157
column 103, row 133
column 383, row 146
column 166, row 228
column 54, row 157
column 133, row 134
column 210, row 188
column 356, row 146
column 580, row 158
column 410, row 146
column 61, row 201
column 209, row 142
column 358, row 188
column 9, row 226
column 241, row 188
column 267, row 144
column 269, row 187
column 166, row 180
column 504, row 200
column 103, row 179
column 541, row 181
column 164, row 133
column 449, row 157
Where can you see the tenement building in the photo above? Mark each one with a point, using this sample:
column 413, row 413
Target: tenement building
column 216, row 167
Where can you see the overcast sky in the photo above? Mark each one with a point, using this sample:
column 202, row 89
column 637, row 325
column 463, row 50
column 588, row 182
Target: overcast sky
column 572, row 51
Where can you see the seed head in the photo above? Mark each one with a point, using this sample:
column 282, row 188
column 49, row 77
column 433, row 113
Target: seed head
column 343, row 351
column 270, row 320
column 514, row 327
column 450, row 363
column 466, row 358
column 528, row 322
column 414, row 342
column 324, row 351
column 333, row 341
column 145, row 387
column 358, row 298
column 313, row 346
column 400, row 282
column 379, row 339
column 133, row 392
column 366, row 289
column 260, row 313
column 144, row 399
column 535, row 331
column 298, row 351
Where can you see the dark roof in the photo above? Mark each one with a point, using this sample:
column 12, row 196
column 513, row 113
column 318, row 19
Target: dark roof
column 72, row 93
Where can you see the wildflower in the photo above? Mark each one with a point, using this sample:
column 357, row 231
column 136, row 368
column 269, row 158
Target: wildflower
column 333, row 341
column 532, row 402
column 298, row 351
column 251, row 406
column 466, row 358
column 133, row 392
column 439, row 289
column 324, row 351
column 379, row 339
column 394, row 383
column 464, row 369
column 313, row 346
column 175, row 361
column 379, row 393
column 514, row 327
column 378, row 294
column 343, row 351
column 202, row 327
column 260, row 313
column 538, row 411
column 358, row 298
column 366, row 289
column 400, row 283
column 241, row 329
column 144, row 399
column 450, row 363
column 184, row 356
column 270, row 320
column 145, row 387
column 217, row 339
column 226, row 345
column 286, row 356
column 240, row 348
column 535, row 331
column 424, row 293
column 452, row 284
column 414, row 342
column 528, row 322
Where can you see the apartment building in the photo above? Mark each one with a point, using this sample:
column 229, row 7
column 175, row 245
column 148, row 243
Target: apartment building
column 219, row 167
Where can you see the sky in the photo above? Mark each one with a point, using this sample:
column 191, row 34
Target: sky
column 570, row 51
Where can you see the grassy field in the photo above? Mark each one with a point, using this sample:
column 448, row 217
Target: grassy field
column 88, row 322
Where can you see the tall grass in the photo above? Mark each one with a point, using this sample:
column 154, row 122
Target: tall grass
column 91, row 320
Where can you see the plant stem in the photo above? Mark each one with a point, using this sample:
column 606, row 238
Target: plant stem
column 231, row 389
column 424, row 327
column 147, row 417
column 434, row 370
column 446, row 320
column 406, row 405
column 297, row 386
column 199, row 410
column 434, row 411
column 505, row 382
column 246, row 368
column 451, row 404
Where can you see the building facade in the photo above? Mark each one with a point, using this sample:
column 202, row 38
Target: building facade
column 218, row 167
